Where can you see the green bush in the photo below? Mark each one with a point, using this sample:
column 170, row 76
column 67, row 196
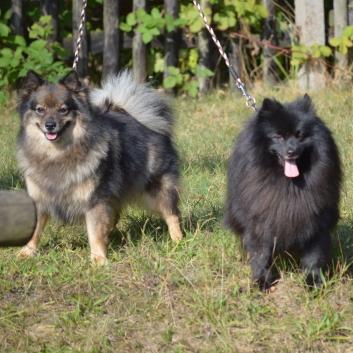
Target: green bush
column 17, row 56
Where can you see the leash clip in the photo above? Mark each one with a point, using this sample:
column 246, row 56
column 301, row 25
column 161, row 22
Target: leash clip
column 250, row 100
column 237, row 79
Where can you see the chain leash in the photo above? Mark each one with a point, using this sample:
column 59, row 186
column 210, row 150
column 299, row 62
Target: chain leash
column 250, row 101
column 80, row 34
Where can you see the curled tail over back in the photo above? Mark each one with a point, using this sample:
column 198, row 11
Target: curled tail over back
column 142, row 102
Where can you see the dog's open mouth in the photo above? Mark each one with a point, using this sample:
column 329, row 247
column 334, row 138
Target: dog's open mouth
column 54, row 136
column 51, row 136
column 290, row 168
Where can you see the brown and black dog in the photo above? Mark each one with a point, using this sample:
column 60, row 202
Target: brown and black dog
column 85, row 155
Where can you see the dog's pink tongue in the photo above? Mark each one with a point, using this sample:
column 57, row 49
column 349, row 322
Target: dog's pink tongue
column 290, row 168
column 51, row 136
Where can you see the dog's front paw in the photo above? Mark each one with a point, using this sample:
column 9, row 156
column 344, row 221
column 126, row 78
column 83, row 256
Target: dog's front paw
column 176, row 236
column 98, row 260
column 27, row 251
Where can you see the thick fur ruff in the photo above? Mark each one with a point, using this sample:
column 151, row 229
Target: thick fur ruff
column 274, row 212
column 87, row 161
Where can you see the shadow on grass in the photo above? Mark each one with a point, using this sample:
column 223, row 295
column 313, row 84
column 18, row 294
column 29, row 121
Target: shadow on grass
column 129, row 231
column 341, row 260
column 131, row 228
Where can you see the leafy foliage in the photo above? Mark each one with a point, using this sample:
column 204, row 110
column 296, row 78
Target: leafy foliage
column 228, row 12
column 4, row 28
column 300, row 53
column 183, row 78
column 17, row 56
column 191, row 15
column 150, row 25
column 34, row 50
column 345, row 42
column 153, row 23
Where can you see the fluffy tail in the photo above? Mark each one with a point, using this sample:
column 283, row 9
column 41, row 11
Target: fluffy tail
column 143, row 103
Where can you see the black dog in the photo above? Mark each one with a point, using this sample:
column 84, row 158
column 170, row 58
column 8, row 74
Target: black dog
column 284, row 181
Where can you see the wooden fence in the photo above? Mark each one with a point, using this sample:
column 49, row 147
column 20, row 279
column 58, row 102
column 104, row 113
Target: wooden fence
column 111, row 40
column 95, row 44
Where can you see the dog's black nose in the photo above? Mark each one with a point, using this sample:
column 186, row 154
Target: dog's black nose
column 50, row 125
column 291, row 153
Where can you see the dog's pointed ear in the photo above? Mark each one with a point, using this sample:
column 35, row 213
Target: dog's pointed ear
column 31, row 83
column 270, row 105
column 307, row 99
column 307, row 103
column 71, row 81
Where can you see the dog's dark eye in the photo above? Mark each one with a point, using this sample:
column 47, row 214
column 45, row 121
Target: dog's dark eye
column 40, row 110
column 299, row 136
column 63, row 110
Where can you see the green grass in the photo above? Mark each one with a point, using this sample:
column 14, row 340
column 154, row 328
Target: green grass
column 196, row 296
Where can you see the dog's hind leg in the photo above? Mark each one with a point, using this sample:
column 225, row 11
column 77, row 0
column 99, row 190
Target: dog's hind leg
column 173, row 223
column 162, row 197
column 30, row 249
column 100, row 220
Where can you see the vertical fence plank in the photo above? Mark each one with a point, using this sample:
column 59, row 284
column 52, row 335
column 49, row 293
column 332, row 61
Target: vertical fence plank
column 50, row 7
column 139, row 48
column 16, row 21
column 204, row 52
column 340, row 14
column 171, row 39
column 350, row 12
column 269, row 34
column 234, row 59
column 309, row 18
column 111, row 46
